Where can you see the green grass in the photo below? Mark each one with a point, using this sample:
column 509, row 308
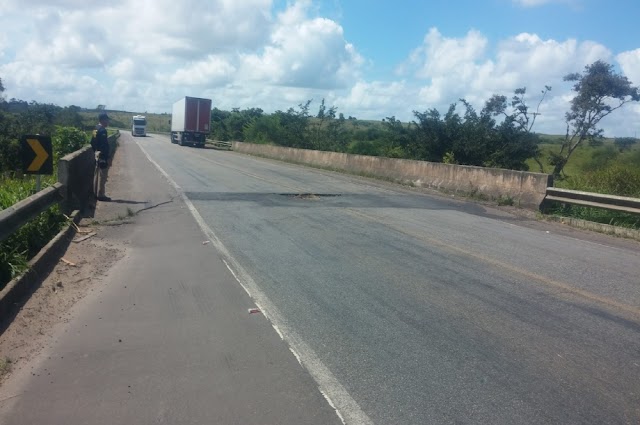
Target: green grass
column 602, row 169
column 579, row 159
column 19, row 248
column 5, row 366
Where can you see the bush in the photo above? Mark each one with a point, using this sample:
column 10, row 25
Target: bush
column 67, row 140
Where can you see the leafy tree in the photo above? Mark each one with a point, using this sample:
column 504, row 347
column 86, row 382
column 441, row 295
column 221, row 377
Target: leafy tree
column 519, row 116
column 624, row 143
column 337, row 133
column 69, row 117
column 399, row 140
column 237, row 120
column 218, row 124
column 599, row 91
column 265, row 129
column 327, row 130
column 476, row 138
column 295, row 124
column 428, row 139
column 66, row 140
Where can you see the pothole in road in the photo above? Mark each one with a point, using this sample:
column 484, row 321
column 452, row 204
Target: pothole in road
column 310, row 196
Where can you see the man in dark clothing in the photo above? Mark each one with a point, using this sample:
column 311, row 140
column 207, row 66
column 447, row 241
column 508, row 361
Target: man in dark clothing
column 100, row 145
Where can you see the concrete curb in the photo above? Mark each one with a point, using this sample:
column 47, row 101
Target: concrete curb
column 596, row 227
column 19, row 289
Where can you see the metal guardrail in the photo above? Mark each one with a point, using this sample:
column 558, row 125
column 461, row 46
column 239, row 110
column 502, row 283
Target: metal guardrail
column 596, row 200
column 220, row 144
column 14, row 217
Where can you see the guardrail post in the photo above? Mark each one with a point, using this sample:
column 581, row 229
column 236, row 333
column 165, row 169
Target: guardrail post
column 63, row 177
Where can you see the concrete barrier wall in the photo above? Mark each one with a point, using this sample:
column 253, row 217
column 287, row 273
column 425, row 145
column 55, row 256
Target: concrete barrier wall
column 525, row 188
column 75, row 172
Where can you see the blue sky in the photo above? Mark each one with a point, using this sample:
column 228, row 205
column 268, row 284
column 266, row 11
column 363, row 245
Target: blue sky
column 386, row 30
column 370, row 59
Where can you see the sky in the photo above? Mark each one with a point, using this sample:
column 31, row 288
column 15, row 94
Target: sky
column 369, row 58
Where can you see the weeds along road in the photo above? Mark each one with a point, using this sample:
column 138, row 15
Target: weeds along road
column 410, row 308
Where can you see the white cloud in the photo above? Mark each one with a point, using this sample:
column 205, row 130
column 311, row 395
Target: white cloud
column 142, row 55
column 463, row 67
column 630, row 63
column 440, row 55
column 174, row 46
column 377, row 99
column 304, row 53
column 535, row 3
column 214, row 70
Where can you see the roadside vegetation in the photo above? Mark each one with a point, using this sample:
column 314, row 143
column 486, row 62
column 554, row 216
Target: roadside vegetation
column 68, row 134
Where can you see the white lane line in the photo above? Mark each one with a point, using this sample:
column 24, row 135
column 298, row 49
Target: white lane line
column 336, row 395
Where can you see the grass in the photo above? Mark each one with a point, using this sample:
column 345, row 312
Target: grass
column 6, row 365
column 19, row 248
column 597, row 215
column 580, row 158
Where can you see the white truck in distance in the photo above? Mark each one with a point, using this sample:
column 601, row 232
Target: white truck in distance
column 191, row 121
column 139, row 127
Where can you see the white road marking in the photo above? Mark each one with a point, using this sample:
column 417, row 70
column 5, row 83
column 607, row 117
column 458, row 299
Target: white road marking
column 333, row 391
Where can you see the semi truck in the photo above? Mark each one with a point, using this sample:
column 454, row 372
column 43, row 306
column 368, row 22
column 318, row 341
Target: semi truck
column 139, row 126
column 191, row 121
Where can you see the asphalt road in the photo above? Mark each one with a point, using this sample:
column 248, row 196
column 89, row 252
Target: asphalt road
column 423, row 309
column 409, row 308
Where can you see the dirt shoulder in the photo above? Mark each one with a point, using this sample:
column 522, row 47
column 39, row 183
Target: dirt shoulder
column 80, row 271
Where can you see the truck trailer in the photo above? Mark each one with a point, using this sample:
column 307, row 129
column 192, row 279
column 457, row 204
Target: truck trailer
column 139, row 126
column 191, row 121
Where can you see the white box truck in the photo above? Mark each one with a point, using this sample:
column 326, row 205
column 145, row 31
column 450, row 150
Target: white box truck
column 191, row 121
column 139, row 126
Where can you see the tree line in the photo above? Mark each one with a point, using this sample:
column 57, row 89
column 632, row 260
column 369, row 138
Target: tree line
column 499, row 135
column 18, row 118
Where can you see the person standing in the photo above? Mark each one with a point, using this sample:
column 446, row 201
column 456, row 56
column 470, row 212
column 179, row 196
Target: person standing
column 100, row 145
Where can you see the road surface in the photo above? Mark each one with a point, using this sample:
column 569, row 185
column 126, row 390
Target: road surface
column 403, row 307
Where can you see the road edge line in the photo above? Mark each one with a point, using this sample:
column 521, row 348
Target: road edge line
column 347, row 409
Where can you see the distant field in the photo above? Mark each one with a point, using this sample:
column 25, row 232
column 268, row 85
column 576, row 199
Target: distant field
column 578, row 160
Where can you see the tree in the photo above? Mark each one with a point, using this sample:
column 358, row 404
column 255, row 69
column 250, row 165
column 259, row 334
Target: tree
column 294, row 125
column 398, row 138
column 476, row 138
column 520, row 116
column 624, row 143
column 599, row 91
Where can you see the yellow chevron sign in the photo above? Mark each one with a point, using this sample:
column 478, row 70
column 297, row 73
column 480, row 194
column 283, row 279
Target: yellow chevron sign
column 37, row 155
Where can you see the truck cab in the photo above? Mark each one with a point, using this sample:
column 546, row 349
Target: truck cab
column 139, row 127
